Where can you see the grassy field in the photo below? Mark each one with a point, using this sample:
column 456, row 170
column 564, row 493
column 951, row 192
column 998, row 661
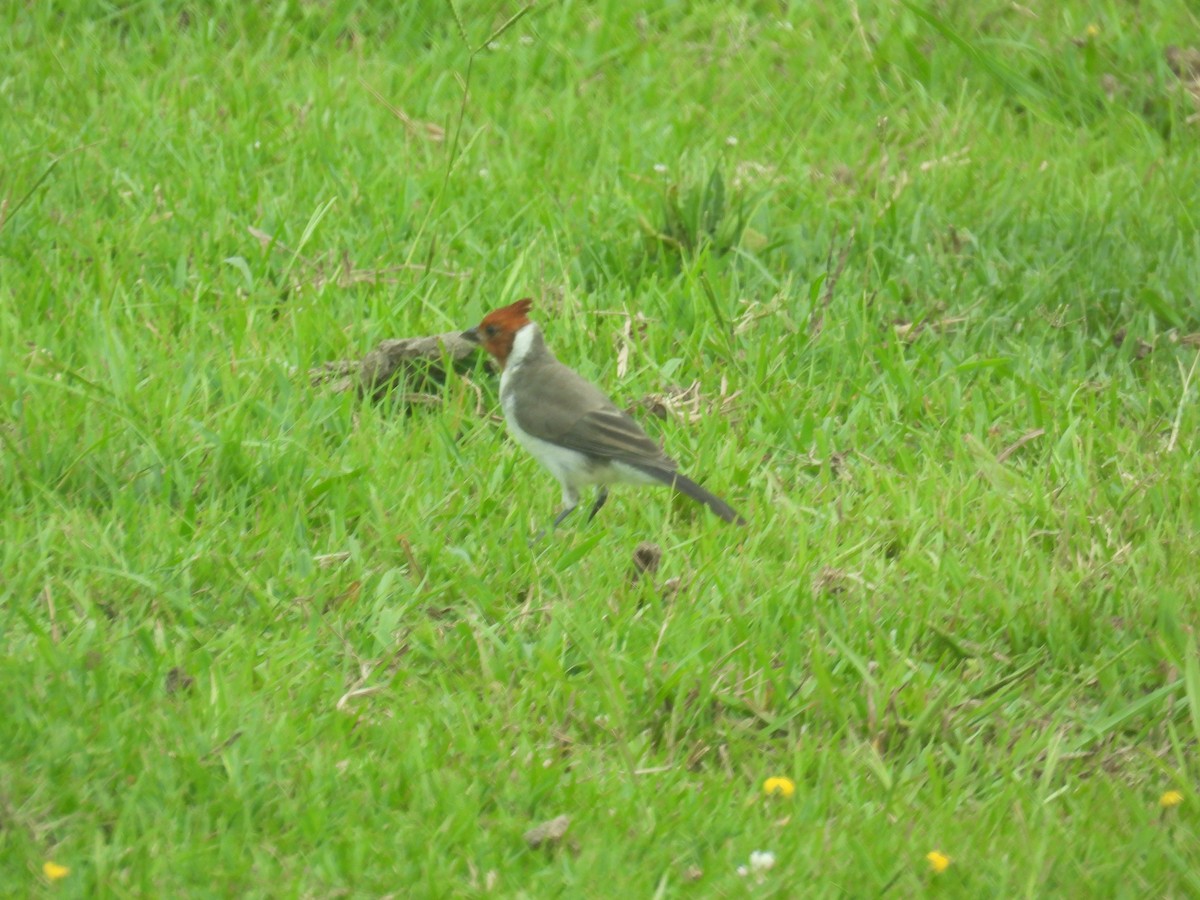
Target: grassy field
column 918, row 289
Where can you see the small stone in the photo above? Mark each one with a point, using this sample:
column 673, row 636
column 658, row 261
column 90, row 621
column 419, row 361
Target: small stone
column 548, row 833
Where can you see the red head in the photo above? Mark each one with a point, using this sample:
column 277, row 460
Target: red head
column 495, row 333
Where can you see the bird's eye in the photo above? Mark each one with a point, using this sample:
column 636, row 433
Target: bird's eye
column 490, row 330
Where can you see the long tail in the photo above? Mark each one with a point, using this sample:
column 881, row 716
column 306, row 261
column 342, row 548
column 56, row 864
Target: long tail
column 686, row 486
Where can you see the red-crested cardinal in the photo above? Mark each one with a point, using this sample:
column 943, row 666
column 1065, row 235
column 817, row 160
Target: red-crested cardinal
column 568, row 424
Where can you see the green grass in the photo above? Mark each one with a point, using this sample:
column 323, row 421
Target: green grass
column 935, row 270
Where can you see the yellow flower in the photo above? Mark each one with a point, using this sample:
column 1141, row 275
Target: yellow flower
column 1092, row 31
column 780, row 785
column 54, row 871
column 939, row 862
column 1169, row 799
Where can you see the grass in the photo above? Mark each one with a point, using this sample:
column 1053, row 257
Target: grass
column 933, row 271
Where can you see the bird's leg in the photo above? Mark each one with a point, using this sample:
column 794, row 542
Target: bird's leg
column 600, row 498
column 570, row 495
column 558, row 520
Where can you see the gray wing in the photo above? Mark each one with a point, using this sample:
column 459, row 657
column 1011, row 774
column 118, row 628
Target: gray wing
column 582, row 418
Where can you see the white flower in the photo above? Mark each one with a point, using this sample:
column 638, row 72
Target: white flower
column 761, row 861
column 731, row 141
column 484, row 172
column 660, row 168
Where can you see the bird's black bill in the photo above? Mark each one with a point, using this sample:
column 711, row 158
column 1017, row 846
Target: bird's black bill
column 471, row 334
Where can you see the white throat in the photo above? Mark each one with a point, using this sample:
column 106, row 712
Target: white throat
column 522, row 344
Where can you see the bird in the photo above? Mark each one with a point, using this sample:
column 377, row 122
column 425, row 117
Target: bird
column 571, row 426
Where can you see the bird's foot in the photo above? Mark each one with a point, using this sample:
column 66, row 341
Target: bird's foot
column 600, row 498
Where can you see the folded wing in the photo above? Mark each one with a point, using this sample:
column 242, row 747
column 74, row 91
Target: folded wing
column 578, row 415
